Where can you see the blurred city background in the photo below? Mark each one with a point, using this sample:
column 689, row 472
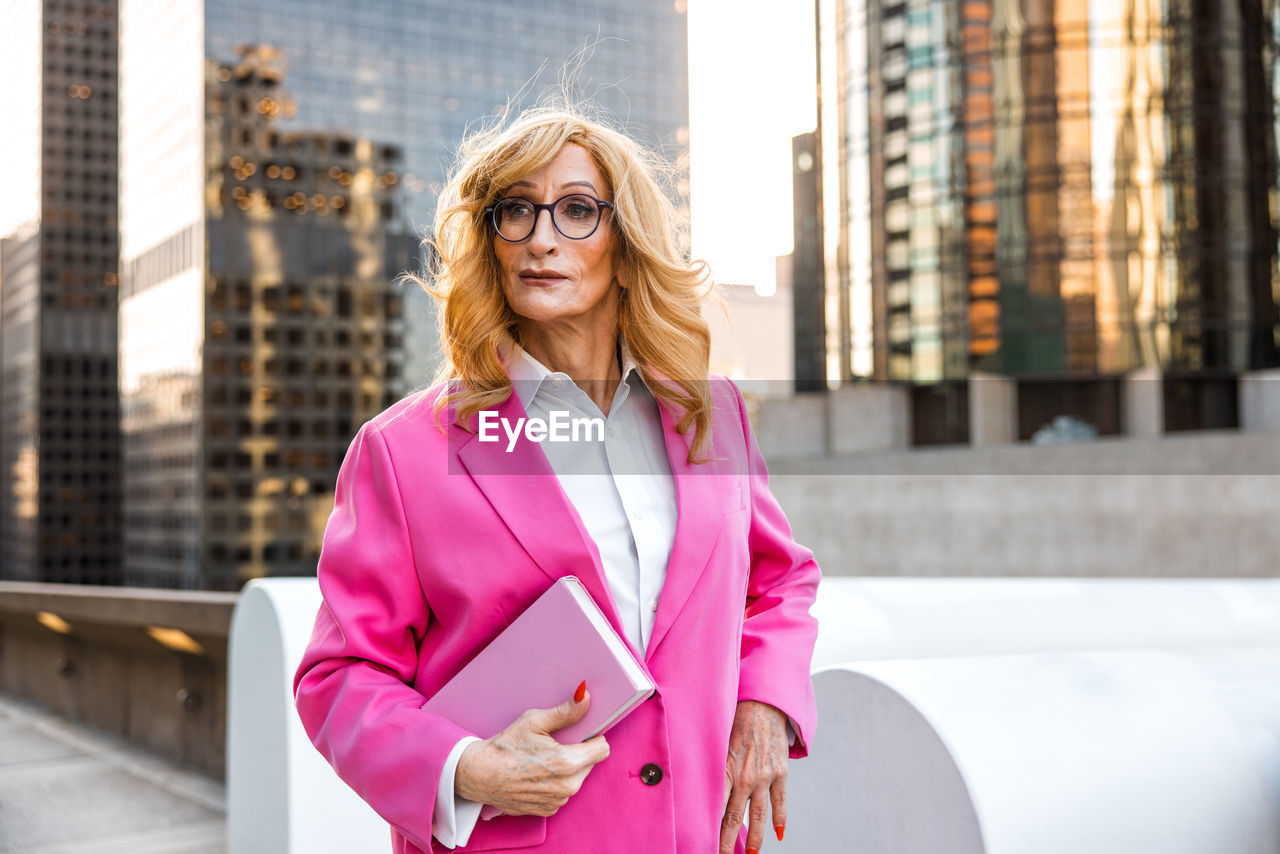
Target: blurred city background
column 1001, row 279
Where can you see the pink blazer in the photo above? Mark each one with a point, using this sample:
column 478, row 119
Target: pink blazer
column 436, row 543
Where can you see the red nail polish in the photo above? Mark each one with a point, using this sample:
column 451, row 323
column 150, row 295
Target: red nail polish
column 753, row 851
column 779, row 829
column 581, row 692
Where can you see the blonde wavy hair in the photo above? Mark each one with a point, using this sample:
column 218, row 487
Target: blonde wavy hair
column 659, row 315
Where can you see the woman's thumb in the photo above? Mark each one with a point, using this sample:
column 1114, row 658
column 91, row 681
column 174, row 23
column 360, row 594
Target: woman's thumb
column 568, row 712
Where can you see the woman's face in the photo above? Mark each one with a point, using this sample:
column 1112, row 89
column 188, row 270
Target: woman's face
column 548, row 278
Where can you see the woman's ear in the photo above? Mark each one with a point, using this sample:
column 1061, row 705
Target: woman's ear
column 620, row 270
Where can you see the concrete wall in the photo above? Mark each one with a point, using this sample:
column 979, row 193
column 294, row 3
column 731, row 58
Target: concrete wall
column 108, row 672
column 795, row 429
column 852, row 419
column 1260, row 401
column 1144, row 403
column 993, row 409
column 868, row 417
column 1189, row 505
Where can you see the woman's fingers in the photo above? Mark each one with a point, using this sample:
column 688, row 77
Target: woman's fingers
column 778, row 798
column 753, row 805
column 731, row 824
column 523, row 770
column 759, row 814
column 593, row 750
column 756, row 768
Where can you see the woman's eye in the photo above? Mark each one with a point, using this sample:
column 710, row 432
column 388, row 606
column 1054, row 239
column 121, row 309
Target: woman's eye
column 516, row 209
column 578, row 209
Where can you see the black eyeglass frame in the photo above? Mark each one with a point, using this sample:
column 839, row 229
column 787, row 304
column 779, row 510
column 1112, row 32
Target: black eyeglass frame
column 491, row 212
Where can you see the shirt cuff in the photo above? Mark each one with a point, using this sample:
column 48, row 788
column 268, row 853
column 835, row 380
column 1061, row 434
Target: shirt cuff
column 454, row 817
column 791, row 732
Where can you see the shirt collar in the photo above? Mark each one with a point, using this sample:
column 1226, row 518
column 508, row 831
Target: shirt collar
column 528, row 374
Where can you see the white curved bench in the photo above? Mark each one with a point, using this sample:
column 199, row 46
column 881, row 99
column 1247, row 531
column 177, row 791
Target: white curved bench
column 1086, row 713
column 282, row 797
column 1051, row 753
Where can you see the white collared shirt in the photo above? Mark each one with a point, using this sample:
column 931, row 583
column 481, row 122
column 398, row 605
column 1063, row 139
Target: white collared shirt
column 624, row 492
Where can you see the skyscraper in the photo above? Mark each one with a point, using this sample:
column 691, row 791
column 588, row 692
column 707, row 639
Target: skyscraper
column 809, row 315
column 1061, row 191
column 59, row 411
column 279, row 161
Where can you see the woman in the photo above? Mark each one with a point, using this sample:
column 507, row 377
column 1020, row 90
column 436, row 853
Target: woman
column 564, row 289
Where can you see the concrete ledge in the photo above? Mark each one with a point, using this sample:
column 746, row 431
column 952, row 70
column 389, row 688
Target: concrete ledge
column 881, row 619
column 201, row 612
column 1184, row 505
column 1202, row 452
column 101, row 663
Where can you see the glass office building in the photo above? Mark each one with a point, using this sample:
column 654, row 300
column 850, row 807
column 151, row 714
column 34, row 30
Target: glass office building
column 280, row 160
column 59, row 411
column 1060, row 191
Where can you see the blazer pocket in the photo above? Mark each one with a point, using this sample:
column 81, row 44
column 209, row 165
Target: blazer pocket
column 735, row 495
column 505, row 832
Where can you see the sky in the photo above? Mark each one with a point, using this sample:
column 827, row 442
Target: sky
column 751, row 83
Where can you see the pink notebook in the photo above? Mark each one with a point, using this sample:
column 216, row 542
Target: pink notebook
column 538, row 661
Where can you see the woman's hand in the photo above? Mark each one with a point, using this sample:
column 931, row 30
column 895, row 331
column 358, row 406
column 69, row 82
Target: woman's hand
column 755, row 771
column 523, row 770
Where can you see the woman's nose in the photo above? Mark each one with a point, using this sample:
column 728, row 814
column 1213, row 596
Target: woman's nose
column 544, row 238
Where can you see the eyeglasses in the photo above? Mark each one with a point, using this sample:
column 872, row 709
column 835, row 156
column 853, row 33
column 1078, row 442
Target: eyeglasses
column 576, row 216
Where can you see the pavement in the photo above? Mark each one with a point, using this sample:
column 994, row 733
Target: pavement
column 67, row 789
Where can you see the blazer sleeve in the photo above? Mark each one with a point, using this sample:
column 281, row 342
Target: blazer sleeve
column 353, row 688
column 778, row 632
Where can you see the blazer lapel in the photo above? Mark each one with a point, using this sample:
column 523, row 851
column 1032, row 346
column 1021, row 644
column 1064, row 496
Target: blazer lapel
column 698, row 521
column 526, row 494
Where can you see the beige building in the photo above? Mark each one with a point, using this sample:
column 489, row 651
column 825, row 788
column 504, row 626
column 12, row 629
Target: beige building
column 751, row 335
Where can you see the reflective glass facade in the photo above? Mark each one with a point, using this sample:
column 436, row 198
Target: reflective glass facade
column 59, row 411
column 280, row 161
column 1055, row 188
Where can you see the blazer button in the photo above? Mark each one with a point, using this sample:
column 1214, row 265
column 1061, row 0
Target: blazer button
column 651, row 774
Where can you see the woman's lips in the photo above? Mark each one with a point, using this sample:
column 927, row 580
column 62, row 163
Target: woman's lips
column 541, row 279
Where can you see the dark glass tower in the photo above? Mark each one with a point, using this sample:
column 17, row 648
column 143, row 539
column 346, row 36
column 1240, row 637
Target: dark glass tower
column 809, row 305
column 280, row 160
column 59, row 411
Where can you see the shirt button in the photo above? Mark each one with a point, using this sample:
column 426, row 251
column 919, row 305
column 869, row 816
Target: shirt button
column 609, row 432
column 639, row 514
column 653, row 606
column 651, row 774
